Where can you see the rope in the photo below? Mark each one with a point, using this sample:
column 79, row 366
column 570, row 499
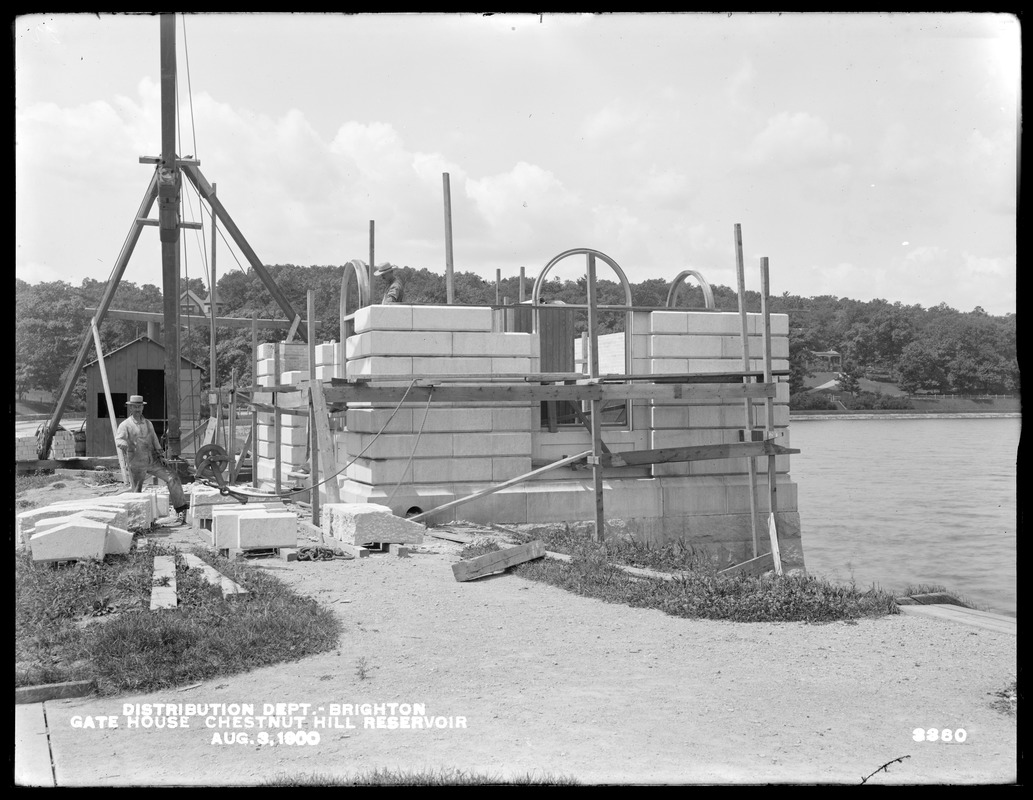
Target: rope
column 376, row 436
column 416, row 444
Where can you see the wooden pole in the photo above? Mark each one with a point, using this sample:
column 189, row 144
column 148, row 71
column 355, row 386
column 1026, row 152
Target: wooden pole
column 449, row 291
column 313, row 433
column 499, row 486
column 231, row 430
column 102, row 309
column 597, row 405
column 212, row 360
column 204, row 188
column 254, row 412
column 498, row 285
column 111, row 405
column 769, row 430
column 168, row 225
column 369, row 268
column 740, row 270
column 523, row 292
column 277, row 421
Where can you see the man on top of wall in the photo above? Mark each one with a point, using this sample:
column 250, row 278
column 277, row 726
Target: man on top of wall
column 394, row 290
column 137, row 439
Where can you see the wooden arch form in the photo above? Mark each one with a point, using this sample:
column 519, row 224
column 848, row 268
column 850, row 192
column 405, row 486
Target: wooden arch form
column 358, row 269
column 679, row 282
column 579, row 251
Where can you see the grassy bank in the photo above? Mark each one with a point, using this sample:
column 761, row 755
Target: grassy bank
column 91, row 620
column 694, row 588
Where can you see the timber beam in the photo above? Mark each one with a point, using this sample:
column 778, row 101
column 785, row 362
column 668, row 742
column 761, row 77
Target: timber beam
column 530, row 393
column 703, row 452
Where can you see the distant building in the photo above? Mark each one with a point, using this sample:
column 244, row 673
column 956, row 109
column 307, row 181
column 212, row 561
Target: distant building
column 827, row 361
column 139, row 368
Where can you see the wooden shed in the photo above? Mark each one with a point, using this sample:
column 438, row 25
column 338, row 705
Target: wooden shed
column 139, row 368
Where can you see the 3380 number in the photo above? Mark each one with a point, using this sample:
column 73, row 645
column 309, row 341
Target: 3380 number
column 939, row 735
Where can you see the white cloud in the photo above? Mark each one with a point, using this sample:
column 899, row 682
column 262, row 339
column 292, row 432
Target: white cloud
column 796, row 140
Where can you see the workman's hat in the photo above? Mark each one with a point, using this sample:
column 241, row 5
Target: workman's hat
column 136, row 400
column 383, row 269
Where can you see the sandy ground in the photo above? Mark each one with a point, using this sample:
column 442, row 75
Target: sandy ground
column 531, row 679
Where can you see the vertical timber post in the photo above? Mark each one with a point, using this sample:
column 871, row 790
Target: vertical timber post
column 313, row 434
column 369, row 267
column 212, row 361
column 449, row 290
column 254, row 411
column 231, row 425
column 168, row 228
column 769, row 424
column 740, row 270
column 597, row 422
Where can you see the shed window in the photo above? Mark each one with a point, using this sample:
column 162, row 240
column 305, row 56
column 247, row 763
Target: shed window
column 118, row 401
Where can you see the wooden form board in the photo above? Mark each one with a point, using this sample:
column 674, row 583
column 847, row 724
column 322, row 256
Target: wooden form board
column 701, row 452
column 529, row 393
column 325, row 443
column 497, row 562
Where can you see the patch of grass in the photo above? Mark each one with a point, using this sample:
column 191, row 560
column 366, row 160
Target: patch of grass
column 697, row 590
column 478, row 547
column 443, row 777
column 137, row 649
column 24, row 482
column 1007, row 701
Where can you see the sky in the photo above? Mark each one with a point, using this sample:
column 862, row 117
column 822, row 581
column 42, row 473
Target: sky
column 865, row 155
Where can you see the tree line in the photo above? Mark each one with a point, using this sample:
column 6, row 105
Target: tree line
column 938, row 349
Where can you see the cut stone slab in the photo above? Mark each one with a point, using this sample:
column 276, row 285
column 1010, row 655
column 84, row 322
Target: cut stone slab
column 29, row 522
column 109, row 516
column 118, row 541
column 142, row 508
column 363, row 523
column 258, row 530
column 72, row 541
column 164, row 596
column 226, row 527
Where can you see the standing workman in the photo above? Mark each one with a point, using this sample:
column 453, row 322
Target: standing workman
column 389, row 272
column 139, row 443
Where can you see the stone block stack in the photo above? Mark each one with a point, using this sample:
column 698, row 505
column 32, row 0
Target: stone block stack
column 434, row 452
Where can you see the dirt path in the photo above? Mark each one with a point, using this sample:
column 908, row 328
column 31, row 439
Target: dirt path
column 548, row 682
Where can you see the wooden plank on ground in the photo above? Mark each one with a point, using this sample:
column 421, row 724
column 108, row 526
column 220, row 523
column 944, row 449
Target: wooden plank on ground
column 498, row 561
column 164, row 596
column 229, row 587
column 965, row 616
column 32, row 763
column 755, row 566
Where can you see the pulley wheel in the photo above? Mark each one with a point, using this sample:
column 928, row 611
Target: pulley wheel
column 211, row 461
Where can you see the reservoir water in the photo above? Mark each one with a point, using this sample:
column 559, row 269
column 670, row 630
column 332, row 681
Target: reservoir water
column 897, row 501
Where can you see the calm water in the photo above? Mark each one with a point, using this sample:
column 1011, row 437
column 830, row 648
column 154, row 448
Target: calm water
column 905, row 501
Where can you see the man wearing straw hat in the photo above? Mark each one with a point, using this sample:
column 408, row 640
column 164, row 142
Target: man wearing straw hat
column 139, row 443
column 394, row 291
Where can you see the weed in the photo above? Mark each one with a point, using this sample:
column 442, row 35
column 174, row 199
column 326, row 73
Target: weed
column 444, row 777
column 362, row 668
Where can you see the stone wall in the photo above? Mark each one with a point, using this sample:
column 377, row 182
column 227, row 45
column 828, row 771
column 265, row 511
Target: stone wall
column 427, row 455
